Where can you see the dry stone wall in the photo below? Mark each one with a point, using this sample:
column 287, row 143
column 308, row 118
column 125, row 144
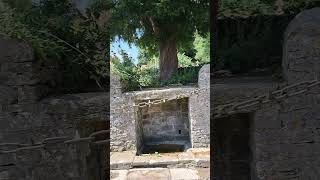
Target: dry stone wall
column 28, row 116
column 286, row 138
column 284, row 133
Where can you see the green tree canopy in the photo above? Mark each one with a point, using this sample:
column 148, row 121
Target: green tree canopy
column 247, row 8
column 160, row 26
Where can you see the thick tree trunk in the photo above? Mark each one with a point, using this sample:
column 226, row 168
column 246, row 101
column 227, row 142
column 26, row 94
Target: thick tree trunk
column 168, row 62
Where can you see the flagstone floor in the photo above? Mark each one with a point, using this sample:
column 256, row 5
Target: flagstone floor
column 161, row 174
column 193, row 157
column 194, row 164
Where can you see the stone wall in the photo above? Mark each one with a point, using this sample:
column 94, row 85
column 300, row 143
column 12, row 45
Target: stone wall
column 287, row 132
column 284, row 133
column 124, row 117
column 165, row 122
column 28, row 117
column 301, row 49
column 199, row 111
column 286, row 138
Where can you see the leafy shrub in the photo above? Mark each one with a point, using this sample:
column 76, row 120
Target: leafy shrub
column 183, row 78
column 59, row 32
column 127, row 72
column 148, row 77
column 254, row 43
column 135, row 77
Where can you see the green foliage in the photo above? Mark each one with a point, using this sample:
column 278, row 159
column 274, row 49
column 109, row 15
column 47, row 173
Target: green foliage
column 126, row 70
column 190, row 58
column 12, row 25
column 185, row 61
column 148, row 77
column 251, row 33
column 58, row 32
column 159, row 19
column 245, row 8
column 184, row 77
column 193, row 53
column 202, row 47
column 259, row 46
column 135, row 77
column 146, row 58
column 295, row 6
column 249, row 8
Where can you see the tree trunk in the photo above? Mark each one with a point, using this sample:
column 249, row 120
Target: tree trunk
column 168, row 62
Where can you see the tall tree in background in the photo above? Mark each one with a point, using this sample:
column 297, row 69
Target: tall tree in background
column 160, row 25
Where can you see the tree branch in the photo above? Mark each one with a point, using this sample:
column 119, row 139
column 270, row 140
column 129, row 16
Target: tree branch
column 155, row 28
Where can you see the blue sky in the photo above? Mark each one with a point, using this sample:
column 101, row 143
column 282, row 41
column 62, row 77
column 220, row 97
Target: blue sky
column 131, row 51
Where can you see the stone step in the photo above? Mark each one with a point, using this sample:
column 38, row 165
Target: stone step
column 161, row 173
column 194, row 157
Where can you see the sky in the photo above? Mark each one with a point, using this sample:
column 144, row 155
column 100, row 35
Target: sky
column 131, row 51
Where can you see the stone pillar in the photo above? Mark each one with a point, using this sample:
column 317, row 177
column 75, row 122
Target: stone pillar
column 115, row 87
column 199, row 108
column 204, row 77
column 122, row 118
column 301, row 50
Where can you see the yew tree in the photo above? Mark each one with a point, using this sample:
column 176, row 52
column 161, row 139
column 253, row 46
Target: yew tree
column 160, row 26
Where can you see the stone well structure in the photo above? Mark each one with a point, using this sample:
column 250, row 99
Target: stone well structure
column 277, row 139
column 184, row 121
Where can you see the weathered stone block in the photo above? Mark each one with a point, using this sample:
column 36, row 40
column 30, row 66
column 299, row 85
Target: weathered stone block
column 8, row 95
column 267, row 118
column 204, row 77
column 301, row 45
column 12, row 50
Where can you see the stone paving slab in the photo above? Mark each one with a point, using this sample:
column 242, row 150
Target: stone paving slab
column 199, row 153
column 122, row 160
column 141, row 160
column 162, row 159
column 161, row 174
column 148, row 174
column 194, row 157
column 182, row 173
column 118, row 174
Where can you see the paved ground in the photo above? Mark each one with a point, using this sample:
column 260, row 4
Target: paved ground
column 196, row 157
column 161, row 174
column 190, row 165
